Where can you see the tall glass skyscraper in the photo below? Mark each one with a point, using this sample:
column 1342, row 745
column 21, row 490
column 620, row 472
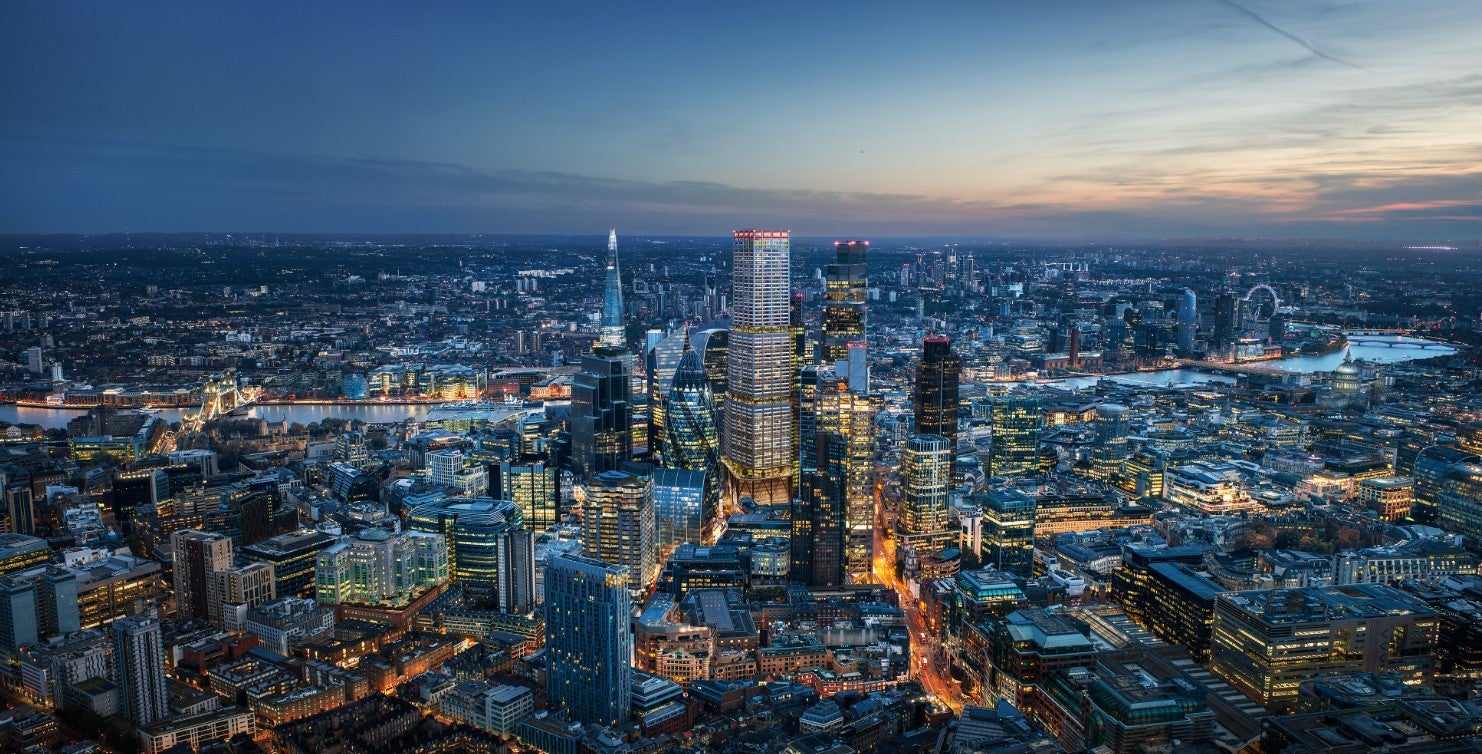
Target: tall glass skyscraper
column 589, row 644
column 691, row 437
column 1014, row 446
column 820, row 526
column 759, row 449
column 611, row 334
column 926, row 483
column 601, row 393
column 618, row 525
column 936, row 397
column 1188, row 321
column 1008, row 531
column 661, row 362
column 535, row 485
column 845, row 280
column 829, row 405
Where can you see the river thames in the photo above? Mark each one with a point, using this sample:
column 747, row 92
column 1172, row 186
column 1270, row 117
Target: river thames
column 1390, row 349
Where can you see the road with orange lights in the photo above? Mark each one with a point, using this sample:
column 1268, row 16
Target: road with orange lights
column 928, row 664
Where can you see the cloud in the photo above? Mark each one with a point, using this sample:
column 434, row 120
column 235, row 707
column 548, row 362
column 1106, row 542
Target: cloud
column 1261, row 20
column 156, row 187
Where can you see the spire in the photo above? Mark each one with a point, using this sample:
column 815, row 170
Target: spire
column 611, row 333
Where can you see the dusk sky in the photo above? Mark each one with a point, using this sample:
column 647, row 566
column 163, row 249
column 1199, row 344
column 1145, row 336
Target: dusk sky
column 1036, row 118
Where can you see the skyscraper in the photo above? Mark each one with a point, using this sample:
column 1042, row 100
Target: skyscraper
column 926, row 482
column 618, row 525
column 22, row 509
column 828, row 404
column 820, row 514
column 589, row 645
column 601, row 393
column 517, row 571
column 759, row 449
column 937, row 378
column 844, row 300
column 1188, row 321
column 534, row 485
column 1008, row 531
column 661, row 362
column 691, row 437
column 139, row 666
column 1014, row 446
column 1226, row 321
column 612, row 333
column 601, row 414
column 1111, row 440
column 197, row 554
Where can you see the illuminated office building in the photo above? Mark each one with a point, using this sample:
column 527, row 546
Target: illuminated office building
column 1267, row 642
column 827, row 404
column 1014, row 446
column 601, row 413
column 820, row 525
column 376, row 566
column 680, row 511
column 1448, row 489
column 20, row 551
column 534, row 484
column 845, row 280
column 292, row 558
column 936, row 393
column 1111, row 449
column 589, row 644
column 476, row 533
column 197, row 555
column 759, row 450
column 926, row 481
column 618, row 525
column 691, row 437
column 1008, row 531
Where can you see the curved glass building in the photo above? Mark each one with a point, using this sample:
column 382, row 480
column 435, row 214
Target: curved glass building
column 475, row 530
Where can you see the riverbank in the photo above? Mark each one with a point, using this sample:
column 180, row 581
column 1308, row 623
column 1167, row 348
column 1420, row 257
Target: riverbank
column 348, row 402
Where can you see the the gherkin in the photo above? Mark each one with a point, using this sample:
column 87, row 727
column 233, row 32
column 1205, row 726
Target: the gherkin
column 691, row 440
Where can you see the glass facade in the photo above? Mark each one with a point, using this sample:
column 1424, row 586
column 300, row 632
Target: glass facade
column 601, row 413
column 1008, row 532
column 1014, row 446
column 844, row 300
column 680, row 508
column 936, row 395
column 692, row 439
column 473, row 529
column 926, row 481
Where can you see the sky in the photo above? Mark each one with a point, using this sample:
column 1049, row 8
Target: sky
column 1052, row 119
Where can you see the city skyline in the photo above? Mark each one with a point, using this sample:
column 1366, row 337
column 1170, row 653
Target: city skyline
column 1143, row 120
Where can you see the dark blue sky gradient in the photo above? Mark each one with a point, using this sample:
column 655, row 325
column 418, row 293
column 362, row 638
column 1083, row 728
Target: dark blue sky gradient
column 1044, row 119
